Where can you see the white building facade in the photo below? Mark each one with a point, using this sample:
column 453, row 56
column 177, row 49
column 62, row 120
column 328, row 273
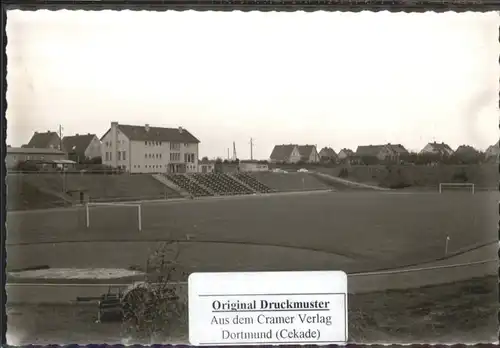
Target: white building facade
column 145, row 149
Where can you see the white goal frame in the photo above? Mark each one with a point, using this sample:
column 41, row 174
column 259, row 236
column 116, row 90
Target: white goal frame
column 110, row 204
column 452, row 184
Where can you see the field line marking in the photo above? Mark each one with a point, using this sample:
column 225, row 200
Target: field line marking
column 420, row 269
column 350, row 275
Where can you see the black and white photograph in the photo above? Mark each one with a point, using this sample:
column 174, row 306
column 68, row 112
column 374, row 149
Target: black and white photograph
column 144, row 146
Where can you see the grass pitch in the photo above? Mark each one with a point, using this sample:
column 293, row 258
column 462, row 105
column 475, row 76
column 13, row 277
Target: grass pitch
column 353, row 231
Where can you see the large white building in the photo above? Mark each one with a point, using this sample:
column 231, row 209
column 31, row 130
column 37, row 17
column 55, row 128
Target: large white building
column 145, row 149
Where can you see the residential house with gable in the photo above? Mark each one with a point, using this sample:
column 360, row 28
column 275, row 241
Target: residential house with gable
column 146, row 149
column 492, row 153
column 346, row 154
column 467, row 154
column 82, row 147
column 328, row 155
column 285, row 154
column 308, row 153
column 47, row 140
column 378, row 152
column 435, row 148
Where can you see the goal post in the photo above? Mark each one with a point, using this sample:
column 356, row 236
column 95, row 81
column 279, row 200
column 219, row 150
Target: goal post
column 452, row 185
column 103, row 204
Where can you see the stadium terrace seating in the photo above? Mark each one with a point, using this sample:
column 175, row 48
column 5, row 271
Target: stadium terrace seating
column 221, row 184
column 187, row 184
column 253, row 183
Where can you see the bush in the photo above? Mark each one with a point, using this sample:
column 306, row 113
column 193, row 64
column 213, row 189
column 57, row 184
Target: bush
column 27, row 166
column 153, row 309
column 369, row 160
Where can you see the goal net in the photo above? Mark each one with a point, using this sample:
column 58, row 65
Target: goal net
column 91, row 216
column 450, row 186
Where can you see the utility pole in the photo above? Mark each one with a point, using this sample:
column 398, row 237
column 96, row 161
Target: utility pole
column 63, row 166
column 234, row 151
column 251, row 148
column 60, row 137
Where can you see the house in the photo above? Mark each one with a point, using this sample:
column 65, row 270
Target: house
column 285, row 154
column 380, row 152
column 434, row 148
column 206, row 165
column 467, row 153
column 492, row 151
column 327, row 154
column 398, row 150
column 308, row 153
column 146, row 149
column 82, row 147
column 48, row 140
column 345, row 154
column 253, row 166
column 15, row 155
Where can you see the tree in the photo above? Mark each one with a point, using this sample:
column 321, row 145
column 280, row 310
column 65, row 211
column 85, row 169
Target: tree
column 344, row 173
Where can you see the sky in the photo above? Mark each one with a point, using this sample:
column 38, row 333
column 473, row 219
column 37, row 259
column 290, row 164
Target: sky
column 330, row 79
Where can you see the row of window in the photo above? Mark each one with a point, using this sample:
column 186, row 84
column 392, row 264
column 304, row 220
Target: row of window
column 119, row 142
column 158, row 166
column 189, row 157
column 173, row 146
column 149, row 165
column 121, row 155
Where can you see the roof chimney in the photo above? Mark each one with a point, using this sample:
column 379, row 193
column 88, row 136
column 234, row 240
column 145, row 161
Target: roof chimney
column 146, row 127
column 77, row 134
column 180, row 130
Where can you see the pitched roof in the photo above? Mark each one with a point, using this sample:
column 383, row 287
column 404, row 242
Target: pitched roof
column 464, row 149
column 397, row 148
column 327, row 152
column 306, row 150
column 347, row 152
column 493, row 149
column 442, row 147
column 77, row 143
column 369, row 150
column 147, row 133
column 33, row 150
column 41, row 140
column 282, row 152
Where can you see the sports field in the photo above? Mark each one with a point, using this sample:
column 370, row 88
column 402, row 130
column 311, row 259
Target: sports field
column 352, row 231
